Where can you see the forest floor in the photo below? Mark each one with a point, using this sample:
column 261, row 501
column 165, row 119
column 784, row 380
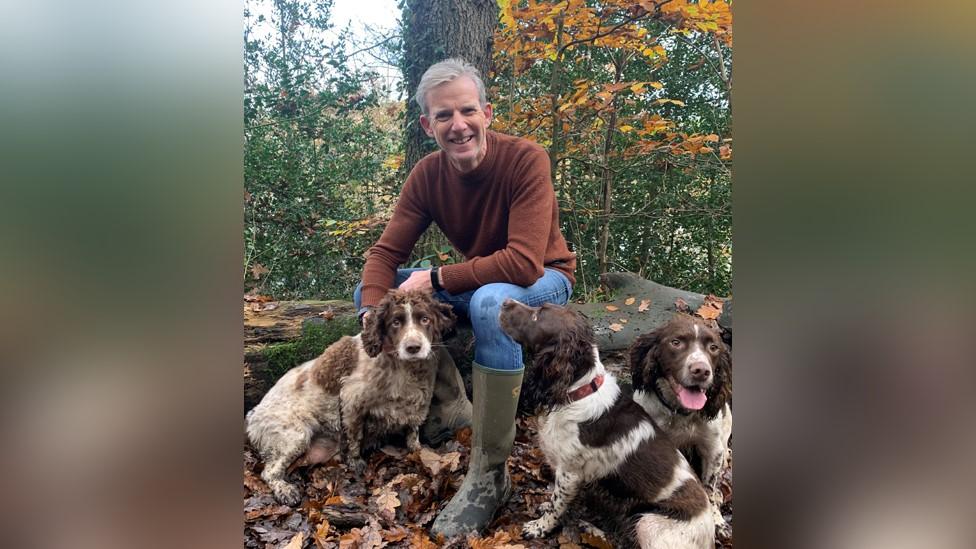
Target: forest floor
column 394, row 502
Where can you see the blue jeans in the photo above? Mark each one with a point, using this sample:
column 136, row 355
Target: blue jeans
column 493, row 349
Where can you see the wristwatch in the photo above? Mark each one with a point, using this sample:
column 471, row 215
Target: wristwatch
column 435, row 279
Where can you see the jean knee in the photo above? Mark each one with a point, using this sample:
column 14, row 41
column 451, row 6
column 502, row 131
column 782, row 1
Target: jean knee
column 484, row 308
column 357, row 295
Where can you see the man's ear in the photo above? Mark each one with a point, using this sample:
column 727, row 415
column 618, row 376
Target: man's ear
column 425, row 124
column 487, row 109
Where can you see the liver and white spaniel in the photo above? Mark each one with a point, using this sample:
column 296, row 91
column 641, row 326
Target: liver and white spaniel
column 364, row 387
column 590, row 431
column 682, row 374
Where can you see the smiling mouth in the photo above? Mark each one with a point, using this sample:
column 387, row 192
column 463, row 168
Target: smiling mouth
column 461, row 140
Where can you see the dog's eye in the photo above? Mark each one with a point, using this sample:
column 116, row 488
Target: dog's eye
column 713, row 348
column 676, row 342
column 396, row 323
column 425, row 320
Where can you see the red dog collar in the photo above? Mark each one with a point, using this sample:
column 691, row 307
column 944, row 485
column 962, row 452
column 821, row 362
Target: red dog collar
column 587, row 389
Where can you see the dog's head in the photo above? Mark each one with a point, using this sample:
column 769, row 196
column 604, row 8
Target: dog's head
column 686, row 363
column 407, row 324
column 562, row 343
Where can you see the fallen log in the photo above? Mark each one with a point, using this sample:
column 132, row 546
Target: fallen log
column 280, row 335
column 640, row 305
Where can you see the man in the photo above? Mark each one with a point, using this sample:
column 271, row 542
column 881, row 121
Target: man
column 492, row 196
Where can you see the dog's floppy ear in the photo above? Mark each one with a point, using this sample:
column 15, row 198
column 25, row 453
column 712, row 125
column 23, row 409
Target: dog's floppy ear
column 721, row 390
column 445, row 321
column 561, row 364
column 374, row 328
column 641, row 350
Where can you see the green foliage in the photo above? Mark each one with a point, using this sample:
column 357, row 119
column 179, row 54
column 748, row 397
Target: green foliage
column 315, row 338
column 670, row 219
column 320, row 155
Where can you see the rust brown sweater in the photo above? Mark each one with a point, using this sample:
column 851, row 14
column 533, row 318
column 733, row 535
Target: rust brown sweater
column 502, row 217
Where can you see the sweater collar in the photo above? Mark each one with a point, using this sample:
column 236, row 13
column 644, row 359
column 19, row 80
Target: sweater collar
column 486, row 164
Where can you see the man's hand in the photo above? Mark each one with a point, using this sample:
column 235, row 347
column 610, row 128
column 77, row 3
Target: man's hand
column 418, row 280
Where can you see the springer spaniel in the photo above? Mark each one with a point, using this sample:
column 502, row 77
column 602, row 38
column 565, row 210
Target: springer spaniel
column 682, row 376
column 591, row 431
column 366, row 386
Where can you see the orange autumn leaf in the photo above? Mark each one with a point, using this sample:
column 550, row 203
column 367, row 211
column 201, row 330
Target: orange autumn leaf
column 644, row 304
column 630, row 301
column 616, row 327
column 612, row 308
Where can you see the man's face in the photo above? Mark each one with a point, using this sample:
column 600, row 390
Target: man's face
column 458, row 122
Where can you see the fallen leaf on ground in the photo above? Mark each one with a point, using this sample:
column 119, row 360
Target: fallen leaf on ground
column 681, row 305
column 630, row 301
column 420, row 540
column 595, row 541
column 616, row 327
column 322, row 533
column 271, row 511
column 296, row 542
column 644, row 304
column 612, row 308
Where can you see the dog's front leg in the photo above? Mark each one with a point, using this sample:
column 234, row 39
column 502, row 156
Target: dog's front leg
column 713, row 463
column 563, row 492
column 353, row 422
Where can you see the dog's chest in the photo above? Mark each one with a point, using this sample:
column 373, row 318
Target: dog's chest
column 398, row 395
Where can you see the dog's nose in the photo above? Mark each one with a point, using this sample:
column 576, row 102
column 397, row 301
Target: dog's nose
column 700, row 371
column 413, row 348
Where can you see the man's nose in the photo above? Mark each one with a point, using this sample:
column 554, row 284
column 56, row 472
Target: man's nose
column 457, row 121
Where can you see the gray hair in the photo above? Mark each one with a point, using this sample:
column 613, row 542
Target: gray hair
column 444, row 72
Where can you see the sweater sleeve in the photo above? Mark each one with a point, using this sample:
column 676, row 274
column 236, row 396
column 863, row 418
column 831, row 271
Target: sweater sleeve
column 410, row 219
column 530, row 213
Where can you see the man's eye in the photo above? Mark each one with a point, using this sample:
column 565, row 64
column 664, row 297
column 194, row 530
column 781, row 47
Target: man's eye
column 443, row 117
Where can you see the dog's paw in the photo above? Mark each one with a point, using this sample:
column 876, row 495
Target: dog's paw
column 287, row 494
column 537, row 528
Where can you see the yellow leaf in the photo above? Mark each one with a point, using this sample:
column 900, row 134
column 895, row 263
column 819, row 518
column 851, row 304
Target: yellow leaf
column 296, row 542
column 656, row 85
column 630, row 301
column 637, row 88
column 626, row 129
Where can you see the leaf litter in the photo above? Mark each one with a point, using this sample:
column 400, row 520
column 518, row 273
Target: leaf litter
column 394, row 502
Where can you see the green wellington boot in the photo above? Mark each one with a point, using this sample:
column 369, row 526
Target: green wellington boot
column 450, row 409
column 487, row 484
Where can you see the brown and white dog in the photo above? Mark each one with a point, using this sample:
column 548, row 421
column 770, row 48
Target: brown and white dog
column 364, row 387
column 682, row 374
column 591, row 431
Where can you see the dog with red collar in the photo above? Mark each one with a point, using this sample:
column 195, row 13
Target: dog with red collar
column 591, row 431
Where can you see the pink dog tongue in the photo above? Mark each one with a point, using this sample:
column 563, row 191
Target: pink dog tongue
column 691, row 399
